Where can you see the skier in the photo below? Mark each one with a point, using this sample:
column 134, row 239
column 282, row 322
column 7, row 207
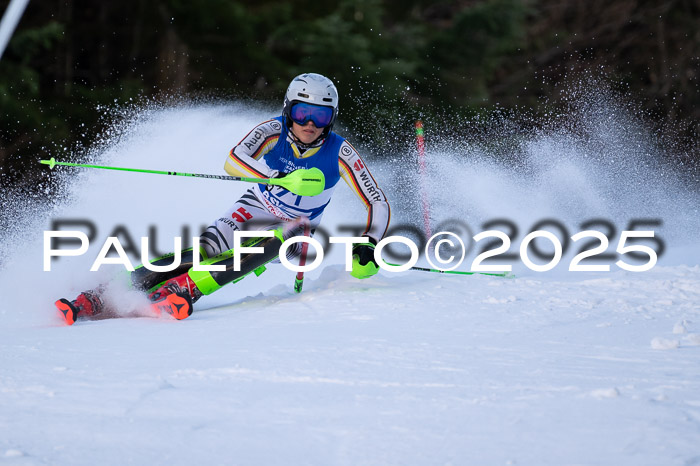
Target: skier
column 300, row 138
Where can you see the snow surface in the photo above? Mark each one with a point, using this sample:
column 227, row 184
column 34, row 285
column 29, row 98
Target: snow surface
column 554, row 368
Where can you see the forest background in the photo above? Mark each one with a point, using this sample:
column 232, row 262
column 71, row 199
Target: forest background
column 394, row 61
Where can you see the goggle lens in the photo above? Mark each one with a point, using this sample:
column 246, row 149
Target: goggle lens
column 302, row 113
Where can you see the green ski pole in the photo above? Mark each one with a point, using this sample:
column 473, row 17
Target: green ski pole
column 303, row 182
column 457, row 272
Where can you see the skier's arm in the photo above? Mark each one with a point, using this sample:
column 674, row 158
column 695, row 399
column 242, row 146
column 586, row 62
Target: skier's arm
column 244, row 159
column 358, row 177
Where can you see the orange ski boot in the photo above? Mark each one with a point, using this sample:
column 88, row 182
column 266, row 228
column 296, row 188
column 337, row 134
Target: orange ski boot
column 87, row 304
column 175, row 297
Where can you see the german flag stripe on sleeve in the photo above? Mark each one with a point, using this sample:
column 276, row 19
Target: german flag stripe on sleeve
column 266, row 147
column 244, row 167
column 352, row 182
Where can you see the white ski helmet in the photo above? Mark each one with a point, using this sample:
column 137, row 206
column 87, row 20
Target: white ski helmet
column 314, row 89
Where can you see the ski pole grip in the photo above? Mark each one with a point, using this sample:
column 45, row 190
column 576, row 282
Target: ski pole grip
column 51, row 162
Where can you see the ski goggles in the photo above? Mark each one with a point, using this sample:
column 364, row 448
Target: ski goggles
column 301, row 113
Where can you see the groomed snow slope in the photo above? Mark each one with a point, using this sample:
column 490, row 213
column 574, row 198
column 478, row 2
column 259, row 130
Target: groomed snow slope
column 555, row 368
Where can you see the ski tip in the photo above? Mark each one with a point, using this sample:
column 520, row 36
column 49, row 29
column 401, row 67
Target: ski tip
column 51, row 162
column 66, row 311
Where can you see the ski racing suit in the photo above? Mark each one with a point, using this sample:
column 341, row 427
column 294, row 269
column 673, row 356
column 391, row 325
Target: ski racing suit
column 269, row 149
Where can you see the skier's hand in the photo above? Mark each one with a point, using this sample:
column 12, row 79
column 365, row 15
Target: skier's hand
column 363, row 263
column 276, row 174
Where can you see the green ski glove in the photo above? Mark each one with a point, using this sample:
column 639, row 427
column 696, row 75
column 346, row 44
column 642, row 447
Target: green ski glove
column 363, row 263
